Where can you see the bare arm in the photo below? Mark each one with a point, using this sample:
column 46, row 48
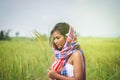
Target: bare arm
column 78, row 69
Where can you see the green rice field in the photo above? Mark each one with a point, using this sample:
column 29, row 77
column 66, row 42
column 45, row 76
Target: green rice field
column 29, row 59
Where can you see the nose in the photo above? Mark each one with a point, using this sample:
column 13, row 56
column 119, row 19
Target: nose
column 55, row 41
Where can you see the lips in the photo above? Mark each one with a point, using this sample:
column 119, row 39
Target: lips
column 57, row 45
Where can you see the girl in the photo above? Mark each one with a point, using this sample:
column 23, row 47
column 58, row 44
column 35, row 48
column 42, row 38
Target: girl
column 69, row 61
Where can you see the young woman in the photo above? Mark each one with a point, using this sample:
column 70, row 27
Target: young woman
column 69, row 61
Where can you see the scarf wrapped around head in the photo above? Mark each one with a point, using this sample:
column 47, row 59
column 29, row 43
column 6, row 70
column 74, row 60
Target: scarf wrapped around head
column 67, row 50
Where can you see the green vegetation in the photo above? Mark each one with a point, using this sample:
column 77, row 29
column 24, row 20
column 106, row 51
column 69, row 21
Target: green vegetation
column 29, row 59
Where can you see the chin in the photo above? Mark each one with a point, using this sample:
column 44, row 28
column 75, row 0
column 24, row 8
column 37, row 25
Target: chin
column 59, row 48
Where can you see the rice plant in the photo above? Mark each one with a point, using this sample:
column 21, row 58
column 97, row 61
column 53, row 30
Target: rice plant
column 26, row 59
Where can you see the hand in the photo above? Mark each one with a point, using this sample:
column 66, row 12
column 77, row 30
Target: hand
column 52, row 73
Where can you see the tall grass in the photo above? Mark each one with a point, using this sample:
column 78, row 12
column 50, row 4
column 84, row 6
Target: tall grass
column 24, row 60
column 102, row 58
column 28, row 59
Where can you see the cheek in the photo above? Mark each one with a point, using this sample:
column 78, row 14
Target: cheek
column 62, row 41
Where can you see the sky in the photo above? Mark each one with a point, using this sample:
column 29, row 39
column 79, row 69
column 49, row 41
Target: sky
column 97, row 18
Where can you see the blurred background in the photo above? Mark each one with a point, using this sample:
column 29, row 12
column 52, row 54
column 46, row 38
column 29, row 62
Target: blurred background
column 25, row 51
column 97, row 18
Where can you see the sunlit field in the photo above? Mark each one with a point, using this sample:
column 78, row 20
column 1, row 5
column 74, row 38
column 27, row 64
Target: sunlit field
column 29, row 59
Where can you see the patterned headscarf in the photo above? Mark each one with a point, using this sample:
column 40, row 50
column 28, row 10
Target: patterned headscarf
column 68, row 49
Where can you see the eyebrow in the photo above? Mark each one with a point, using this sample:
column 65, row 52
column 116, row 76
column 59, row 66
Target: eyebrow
column 56, row 36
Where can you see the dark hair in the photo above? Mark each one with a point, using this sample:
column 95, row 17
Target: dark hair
column 63, row 28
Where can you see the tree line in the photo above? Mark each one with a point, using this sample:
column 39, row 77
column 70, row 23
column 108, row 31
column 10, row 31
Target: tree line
column 4, row 35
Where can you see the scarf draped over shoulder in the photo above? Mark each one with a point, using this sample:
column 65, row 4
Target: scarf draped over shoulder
column 68, row 49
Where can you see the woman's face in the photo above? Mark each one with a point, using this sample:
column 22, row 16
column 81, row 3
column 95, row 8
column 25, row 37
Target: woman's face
column 58, row 39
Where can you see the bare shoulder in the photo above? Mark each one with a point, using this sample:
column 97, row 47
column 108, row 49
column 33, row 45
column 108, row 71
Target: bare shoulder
column 76, row 54
column 75, row 57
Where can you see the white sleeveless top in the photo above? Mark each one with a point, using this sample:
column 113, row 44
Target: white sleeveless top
column 69, row 69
